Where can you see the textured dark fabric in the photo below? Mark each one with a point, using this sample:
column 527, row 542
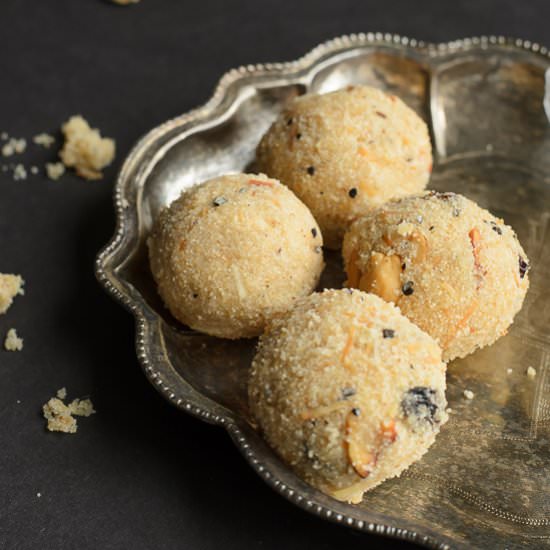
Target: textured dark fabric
column 140, row 474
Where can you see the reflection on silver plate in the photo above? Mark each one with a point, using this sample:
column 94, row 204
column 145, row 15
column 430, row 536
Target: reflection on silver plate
column 486, row 481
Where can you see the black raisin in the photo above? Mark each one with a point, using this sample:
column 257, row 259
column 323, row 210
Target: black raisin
column 523, row 267
column 388, row 332
column 348, row 392
column 311, row 170
column 352, row 192
column 408, row 288
column 421, row 403
column 314, row 232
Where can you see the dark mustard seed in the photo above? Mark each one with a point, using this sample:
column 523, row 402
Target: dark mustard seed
column 388, row 332
column 408, row 288
column 195, row 295
column 356, row 411
column 348, row 392
column 289, row 122
column 403, row 266
column 431, row 228
column 311, row 170
column 380, row 114
column 298, row 136
column 352, row 192
column 314, row 232
column 496, row 229
column 523, row 267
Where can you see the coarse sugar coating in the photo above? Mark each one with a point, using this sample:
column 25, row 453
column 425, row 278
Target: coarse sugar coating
column 347, row 391
column 454, row 269
column 346, row 151
column 232, row 252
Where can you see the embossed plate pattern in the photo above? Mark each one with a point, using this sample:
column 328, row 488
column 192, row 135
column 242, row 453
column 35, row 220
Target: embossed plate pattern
column 486, row 481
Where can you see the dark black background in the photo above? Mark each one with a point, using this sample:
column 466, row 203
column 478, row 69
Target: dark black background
column 139, row 474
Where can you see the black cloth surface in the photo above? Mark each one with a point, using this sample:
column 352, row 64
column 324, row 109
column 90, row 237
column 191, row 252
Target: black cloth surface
column 140, row 474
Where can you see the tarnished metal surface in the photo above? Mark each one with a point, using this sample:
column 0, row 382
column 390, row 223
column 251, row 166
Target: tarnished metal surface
column 486, row 481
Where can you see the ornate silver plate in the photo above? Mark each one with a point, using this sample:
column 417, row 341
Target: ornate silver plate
column 486, row 481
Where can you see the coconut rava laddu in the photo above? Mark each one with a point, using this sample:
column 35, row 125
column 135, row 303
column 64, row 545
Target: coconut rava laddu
column 346, row 151
column 453, row 268
column 233, row 252
column 347, row 391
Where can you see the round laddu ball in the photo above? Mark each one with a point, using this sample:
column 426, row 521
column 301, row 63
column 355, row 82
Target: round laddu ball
column 454, row 269
column 347, row 391
column 232, row 252
column 346, row 151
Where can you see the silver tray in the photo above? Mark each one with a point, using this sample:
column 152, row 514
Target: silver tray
column 486, row 481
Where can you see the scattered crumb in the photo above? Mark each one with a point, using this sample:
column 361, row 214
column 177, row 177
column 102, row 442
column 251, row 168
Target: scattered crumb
column 44, row 140
column 531, row 372
column 18, row 401
column 54, row 170
column 509, row 371
column 10, row 287
column 60, row 416
column 38, row 495
column 85, row 150
column 468, row 394
column 14, row 146
column 34, row 170
column 81, row 407
column 12, row 341
column 19, row 173
column 61, row 393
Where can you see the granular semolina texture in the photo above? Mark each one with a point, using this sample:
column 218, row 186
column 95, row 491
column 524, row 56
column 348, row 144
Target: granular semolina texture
column 454, row 269
column 347, row 391
column 346, row 151
column 233, row 252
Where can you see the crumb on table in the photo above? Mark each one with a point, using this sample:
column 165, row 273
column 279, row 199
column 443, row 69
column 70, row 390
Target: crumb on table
column 12, row 341
column 54, row 170
column 531, row 372
column 44, row 140
column 84, row 148
column 468, row 394
column 10, row 286
column 60, row 416
column 14, row 146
